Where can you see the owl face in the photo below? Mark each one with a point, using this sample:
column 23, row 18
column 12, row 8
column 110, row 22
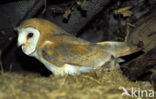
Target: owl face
column 28, row 39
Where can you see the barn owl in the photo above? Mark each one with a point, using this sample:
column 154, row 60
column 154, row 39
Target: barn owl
column 63, row 53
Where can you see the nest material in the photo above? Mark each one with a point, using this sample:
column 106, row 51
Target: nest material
column 105, row 84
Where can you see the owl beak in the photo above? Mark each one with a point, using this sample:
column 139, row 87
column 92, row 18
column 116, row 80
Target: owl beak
column 26, row 44
column 23, row 44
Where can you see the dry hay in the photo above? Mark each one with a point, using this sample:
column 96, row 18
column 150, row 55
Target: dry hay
column 101, row 84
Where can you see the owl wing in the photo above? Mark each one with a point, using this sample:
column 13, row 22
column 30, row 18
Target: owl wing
column 119, row 49
column 77, row 54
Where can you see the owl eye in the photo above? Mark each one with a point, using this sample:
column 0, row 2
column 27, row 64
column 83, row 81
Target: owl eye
column 30, row 35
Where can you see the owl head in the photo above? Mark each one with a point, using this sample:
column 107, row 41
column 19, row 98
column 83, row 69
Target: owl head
column 33, row 32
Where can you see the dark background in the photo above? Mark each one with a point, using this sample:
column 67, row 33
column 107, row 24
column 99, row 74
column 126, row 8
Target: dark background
column 93, row 20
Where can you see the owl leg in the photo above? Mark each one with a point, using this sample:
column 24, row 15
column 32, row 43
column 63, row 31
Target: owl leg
column 66, row 76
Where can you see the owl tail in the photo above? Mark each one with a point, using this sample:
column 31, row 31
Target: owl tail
column 119, row 49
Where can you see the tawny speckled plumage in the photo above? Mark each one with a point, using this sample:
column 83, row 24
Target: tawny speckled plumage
column 63, row 53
